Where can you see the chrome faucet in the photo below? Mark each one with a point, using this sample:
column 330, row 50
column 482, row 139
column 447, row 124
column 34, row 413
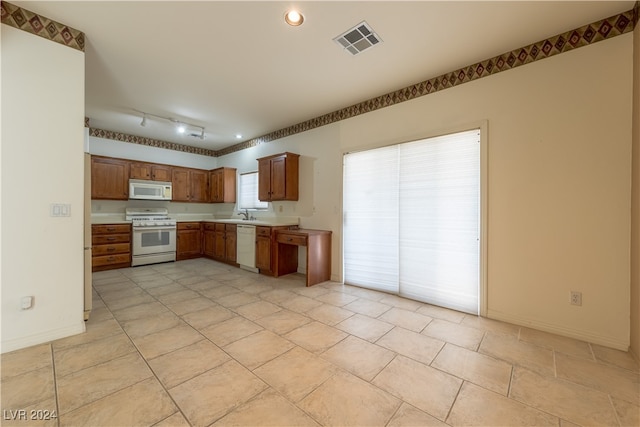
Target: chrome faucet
column 245, row 214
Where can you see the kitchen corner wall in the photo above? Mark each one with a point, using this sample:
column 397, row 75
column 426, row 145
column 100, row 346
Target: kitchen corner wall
column 42, row 163
column 635, row 198
column 143, row 153
column 559, row 174
column 320, row 187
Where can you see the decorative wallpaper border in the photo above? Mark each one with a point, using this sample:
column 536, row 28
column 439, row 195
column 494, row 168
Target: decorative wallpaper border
column 123, row 137
column 586, row 35
column 592, row 33
column 33, row 23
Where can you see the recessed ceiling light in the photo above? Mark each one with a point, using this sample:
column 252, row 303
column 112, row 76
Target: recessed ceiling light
column 293, row 18
column 181, row 128
column 238, row 136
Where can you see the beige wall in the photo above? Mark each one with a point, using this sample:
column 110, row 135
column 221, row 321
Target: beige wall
column 635, row 201
column 42, row 163
column 559, row 174
column 558, row 183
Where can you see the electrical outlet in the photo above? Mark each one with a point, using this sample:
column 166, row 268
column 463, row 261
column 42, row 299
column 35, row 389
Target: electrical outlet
column 576, row 298
column 26, row 303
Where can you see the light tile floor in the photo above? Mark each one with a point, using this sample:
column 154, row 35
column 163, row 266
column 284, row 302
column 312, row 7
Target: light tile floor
column 201, row 343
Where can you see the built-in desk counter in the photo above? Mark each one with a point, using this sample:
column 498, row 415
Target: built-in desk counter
column 318, row 247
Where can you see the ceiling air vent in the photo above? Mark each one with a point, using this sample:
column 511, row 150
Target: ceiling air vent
column 358, row 39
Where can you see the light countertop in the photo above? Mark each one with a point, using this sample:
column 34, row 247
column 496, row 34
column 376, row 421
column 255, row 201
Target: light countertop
column 112, row 218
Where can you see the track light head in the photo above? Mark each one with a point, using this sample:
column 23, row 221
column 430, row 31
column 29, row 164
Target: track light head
column 181, row 127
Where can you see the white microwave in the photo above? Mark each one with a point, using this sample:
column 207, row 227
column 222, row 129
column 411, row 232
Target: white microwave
column 149, row 190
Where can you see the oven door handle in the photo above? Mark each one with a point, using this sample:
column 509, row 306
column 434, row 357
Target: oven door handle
column 143, row 229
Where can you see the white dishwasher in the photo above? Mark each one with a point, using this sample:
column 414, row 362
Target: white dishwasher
column 246, row 244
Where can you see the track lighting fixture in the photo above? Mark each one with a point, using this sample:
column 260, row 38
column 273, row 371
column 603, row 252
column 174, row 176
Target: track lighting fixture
column 181, row 127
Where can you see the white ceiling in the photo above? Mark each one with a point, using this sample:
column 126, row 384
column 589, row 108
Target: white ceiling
column 236, row 67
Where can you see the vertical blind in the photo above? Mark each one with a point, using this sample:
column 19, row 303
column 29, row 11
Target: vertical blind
column 371, row 239
column 248, row 192
column 412, row 220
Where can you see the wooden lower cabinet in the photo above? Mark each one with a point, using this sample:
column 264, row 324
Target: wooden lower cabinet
column 317, row 244
column 220, row 241
column 111, row 246
column 209, row 239
column 265, row 248
column 225, row 242
column 189, row 240
column 231, row 243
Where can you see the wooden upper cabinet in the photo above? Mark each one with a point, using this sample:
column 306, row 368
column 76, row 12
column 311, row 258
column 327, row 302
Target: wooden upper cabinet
column 190, row 185
column 161, row 173
column 264, row 180
column 199, row 183
column 150, row 171
column 140, row 171
column 222, row 185
column 109, row 178
column 278, row 177
column 180, row 185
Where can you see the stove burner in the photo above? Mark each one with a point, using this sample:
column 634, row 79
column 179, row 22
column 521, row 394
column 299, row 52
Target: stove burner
column 151, row 217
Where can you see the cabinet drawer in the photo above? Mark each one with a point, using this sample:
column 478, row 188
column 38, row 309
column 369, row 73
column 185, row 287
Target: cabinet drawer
column 100, row 261
column 219, row 226
column 291, row 239
column 110, row 228
column 263, row 231
column 188, row 226
column 231, row 227
column 102, row 239
column 117, row 248
column 209, row 226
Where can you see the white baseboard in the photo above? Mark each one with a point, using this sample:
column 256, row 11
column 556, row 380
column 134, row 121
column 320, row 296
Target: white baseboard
column 578, row 334
column 28, row 341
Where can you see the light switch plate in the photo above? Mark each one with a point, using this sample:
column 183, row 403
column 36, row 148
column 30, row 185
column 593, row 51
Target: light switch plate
column 59, row 209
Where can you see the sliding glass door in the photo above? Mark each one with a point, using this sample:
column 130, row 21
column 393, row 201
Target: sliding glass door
column 412, row 220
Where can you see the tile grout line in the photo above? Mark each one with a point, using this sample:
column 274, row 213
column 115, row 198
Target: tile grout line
column 146, row 362
column 245, row 367
column 144, row 358
column 230, row 358
column 55, row 384
column 511, row 377
column 136, row 350
column 454, row 401
column 615, row 412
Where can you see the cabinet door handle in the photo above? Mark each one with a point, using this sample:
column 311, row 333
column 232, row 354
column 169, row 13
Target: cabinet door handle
column 111, row 229
column 111, row 239
column 111, row 249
